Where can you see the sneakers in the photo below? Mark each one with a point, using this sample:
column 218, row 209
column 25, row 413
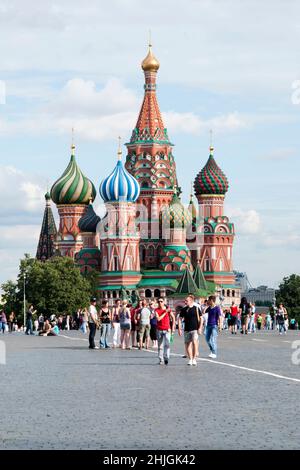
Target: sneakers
column 212, row 355
column 166, row 362
column 160, row 363
column 190, row 362
column 194, row 362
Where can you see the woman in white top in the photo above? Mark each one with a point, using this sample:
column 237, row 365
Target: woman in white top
column 116, row 324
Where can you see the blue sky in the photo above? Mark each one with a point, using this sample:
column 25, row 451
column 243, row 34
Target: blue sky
column 226, row 66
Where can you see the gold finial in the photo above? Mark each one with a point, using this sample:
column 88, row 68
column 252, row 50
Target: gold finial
column 150, row 63
column 211, row 148
column 72, row 144
column 119, row 149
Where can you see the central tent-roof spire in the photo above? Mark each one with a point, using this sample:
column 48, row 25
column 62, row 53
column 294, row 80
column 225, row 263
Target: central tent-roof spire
column 150, row 126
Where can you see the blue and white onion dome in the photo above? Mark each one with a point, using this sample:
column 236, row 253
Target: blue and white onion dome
column 119, row 186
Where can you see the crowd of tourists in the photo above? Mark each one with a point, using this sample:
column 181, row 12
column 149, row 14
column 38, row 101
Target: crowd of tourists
column 152, row 323
column 135, row 327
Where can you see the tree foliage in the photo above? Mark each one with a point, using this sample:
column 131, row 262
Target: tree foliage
column 289, row 294
column 53, row 287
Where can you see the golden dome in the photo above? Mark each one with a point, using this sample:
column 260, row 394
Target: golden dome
column 150, row 63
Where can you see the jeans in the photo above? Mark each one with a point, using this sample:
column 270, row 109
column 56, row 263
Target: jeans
column 29, row 327
column 211, row 338
column 83, row 327
column 163, row 340
column 105, row 329
column 282, row 328
column 92, row 328
column 251, row 326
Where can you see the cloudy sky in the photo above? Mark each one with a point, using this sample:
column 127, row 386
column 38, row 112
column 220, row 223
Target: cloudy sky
column 226, row 65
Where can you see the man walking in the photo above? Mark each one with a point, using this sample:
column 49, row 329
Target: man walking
column 192, row 316
column 29, row 319
column 163, row 316
column 213, row 325
column 93, row 323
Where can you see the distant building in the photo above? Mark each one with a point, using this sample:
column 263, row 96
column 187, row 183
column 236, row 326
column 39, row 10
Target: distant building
column 260, row 294
column 241, row 280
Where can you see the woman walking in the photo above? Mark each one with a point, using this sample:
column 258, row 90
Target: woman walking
column 281, row 313
column 105, row 319
column 3, row 321
column 125, row 325
column 116, row 324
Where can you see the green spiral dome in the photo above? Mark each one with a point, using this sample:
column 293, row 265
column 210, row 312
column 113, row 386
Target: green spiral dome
column 176, row 215
column 73, row 187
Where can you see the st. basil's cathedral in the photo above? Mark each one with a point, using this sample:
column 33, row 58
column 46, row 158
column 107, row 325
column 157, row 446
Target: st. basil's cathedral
column 147, row 244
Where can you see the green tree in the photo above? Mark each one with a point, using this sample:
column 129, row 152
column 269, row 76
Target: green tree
column 9, row 297
column 53, row 287
column 289, row 294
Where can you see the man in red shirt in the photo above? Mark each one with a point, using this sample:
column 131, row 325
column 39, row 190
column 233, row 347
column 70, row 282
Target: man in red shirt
column 164, row 329
column 234, row 317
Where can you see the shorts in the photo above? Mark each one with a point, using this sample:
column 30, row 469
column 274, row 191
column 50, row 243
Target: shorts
column 125, row 326
column 144, row 330
column 244, row 319
column 233, row 321
column 190, row 336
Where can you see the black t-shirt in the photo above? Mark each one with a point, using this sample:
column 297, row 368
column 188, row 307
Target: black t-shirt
column 246, row 309
column 105, row 317
column 29, row 315
column 189, row 314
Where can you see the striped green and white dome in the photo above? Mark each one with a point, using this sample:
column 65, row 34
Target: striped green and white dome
column 73, row 187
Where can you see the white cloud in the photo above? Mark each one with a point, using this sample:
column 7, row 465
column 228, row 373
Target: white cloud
column 23, row 195
column 105, row 113
column 248, row 222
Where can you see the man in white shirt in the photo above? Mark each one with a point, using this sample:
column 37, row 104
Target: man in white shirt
column 93, row 322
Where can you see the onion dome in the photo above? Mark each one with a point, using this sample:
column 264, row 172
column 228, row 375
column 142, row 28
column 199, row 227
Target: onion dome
column 211, row 179
column 89, row 220
column 119, row 186
column 176, row 215
column 150, row 63
column 73, row 187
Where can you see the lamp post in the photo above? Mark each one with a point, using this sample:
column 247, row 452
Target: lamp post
column 24, row 300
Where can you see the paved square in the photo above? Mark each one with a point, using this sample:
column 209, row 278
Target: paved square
column 57, row 394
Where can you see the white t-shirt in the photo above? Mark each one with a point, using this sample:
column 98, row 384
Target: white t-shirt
column 145, row 316
column 92, row 314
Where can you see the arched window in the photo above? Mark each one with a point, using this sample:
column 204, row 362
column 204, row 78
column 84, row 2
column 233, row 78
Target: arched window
column 233, row 293
column 207, row 265
column 114, row 294
column 151, row 251
column 223, row 292
column 228, row 293
column 148, row 293
column 156, row 292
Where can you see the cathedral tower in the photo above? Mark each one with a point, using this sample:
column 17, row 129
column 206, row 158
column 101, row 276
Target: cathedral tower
column 215, row 256
column 151, row 162
column 119, row 237
column 71, row 193
column 46, row 247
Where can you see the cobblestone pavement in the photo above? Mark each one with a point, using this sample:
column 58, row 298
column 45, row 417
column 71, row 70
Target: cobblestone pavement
column 57, row 394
